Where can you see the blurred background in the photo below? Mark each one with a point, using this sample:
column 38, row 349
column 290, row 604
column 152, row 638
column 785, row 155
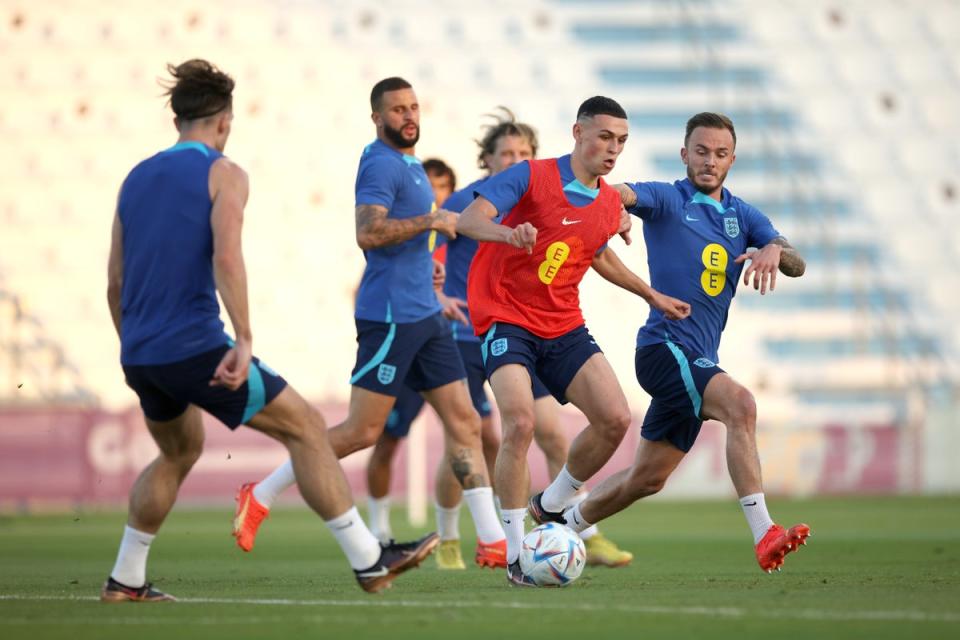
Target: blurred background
column 848, row 138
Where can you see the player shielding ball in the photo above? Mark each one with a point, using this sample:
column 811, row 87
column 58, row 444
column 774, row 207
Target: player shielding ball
column 698, row 237
column 523, row 297
column 175, row 244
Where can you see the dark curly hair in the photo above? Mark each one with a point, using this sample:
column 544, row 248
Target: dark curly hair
column 198, row 90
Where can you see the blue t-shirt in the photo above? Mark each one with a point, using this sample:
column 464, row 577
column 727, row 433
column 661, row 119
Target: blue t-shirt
column 169, row 308
column 397, row 283
column 692, row 241
column 460, row 252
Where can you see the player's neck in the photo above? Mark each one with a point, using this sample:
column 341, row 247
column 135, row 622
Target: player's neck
column 581, row 173
column 197, row 136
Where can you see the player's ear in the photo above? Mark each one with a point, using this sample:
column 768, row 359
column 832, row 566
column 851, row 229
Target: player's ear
column 176, row 123
column 376, row 118
column 683, row 154
column 577, row 131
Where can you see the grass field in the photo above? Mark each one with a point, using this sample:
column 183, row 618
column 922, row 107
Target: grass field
column 875, row 568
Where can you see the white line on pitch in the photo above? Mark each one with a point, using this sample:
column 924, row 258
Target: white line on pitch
column 723, row 612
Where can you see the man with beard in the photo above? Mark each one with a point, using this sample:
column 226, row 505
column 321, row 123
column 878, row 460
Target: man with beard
column 402, row 335
column 697, row 235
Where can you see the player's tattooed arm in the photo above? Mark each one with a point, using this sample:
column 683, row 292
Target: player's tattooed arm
column 791, row 262
column 375, row 229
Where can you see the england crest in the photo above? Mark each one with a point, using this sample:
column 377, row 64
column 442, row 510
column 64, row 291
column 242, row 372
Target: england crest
column 731, row 226
column 386, row 373
column 704, row 363
column 498, row 347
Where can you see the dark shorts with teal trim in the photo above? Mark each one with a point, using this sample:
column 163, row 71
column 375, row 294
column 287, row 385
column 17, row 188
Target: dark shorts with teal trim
column 472, row 358
column 165, row 390
column 555, row 361
column 421, row 355
column 675, row 377
column 405, row 411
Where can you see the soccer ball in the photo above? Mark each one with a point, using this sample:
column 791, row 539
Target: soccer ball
column 552, row 555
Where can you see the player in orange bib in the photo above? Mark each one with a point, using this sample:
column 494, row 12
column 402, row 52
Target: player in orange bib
column 523, row 295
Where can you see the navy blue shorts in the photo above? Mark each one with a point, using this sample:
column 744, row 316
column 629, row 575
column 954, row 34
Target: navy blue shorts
column 476, row 376
column 165, row 390
column 405, row 411
column 675, row 377
column 555, row 361
column 421, row 355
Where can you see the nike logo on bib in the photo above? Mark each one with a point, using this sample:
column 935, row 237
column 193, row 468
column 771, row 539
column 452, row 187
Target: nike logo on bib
column 566, row 222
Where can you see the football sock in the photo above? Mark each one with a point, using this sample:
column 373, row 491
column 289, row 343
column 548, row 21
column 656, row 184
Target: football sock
column 589, row 532
column 448, row 523
column 575, row 519
column 561, row 491
column 755, row 509
column 379, row 517
column 281, row 479
column 360, row 546
column 131, row 567
column 512, row 520
column 480, row 503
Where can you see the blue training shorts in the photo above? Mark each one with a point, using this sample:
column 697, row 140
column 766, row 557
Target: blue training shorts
column 421, row 355
column 405, row 411
column 166, row 390
column 675, row 377
column 555, row 361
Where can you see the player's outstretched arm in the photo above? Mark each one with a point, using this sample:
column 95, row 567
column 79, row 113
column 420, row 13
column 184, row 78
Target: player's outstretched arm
column 609, row 265
column 115, row 270
column 476, row 222
column 375, row 229
column 778, row 254
column 229, row 188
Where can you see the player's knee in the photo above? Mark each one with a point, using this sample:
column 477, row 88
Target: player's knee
column 614, row 426
column 184, row 454
column 744, row 409
column 518, row 428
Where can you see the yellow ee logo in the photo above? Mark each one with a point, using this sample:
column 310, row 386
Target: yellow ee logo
column 557, row 253
column 714, row 276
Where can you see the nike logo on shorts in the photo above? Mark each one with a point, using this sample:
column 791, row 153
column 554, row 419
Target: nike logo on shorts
column 689, row 219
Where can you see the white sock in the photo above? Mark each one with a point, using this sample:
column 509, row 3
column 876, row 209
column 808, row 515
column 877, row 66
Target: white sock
column 379, row 516
column 480, row 503
column 360, row 546
column 561, row 491
column 755, row 509
column 131, row 567
column 575, row 519
column 496, row 503
column 589, row 532
column 448, row 523
column 281, row 479
column 512, row 520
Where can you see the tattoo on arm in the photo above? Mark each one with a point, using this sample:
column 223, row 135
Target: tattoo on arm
column 375, row 230
column 462, row 464
column 791, row 263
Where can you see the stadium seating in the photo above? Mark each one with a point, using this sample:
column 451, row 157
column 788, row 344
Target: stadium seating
column 847, row 149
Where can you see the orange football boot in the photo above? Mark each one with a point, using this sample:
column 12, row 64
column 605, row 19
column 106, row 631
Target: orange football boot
column 248, row 517
column 777, row 543
column 492, row 554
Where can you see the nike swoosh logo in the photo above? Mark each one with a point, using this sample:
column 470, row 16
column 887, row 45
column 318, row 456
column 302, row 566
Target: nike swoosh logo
column 346, row 526
column 689, row 219
column 507, row 521
column 750, row 504
column 566, row 222
column 382, row 571
column 576, row 520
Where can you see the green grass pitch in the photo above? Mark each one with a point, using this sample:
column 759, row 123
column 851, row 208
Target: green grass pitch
column 875, row 568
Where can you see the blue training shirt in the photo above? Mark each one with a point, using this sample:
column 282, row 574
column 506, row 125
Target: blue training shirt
column 692, row 241
column 460, row 252
column 169, row 308
column 397, row 283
